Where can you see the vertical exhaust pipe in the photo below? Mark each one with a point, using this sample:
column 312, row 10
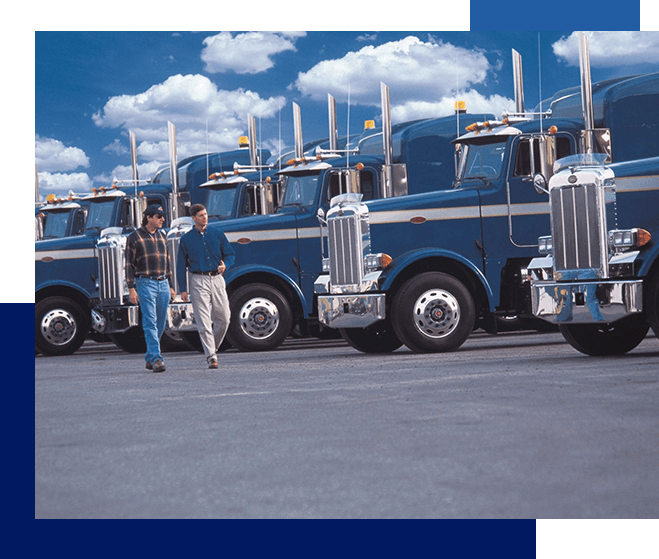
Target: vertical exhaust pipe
column 586, row 92
column 297, row 125
column 333, row 128
column 387, row 144
column 519, row 82
column 37, row 197
column 386, row 124
column 173, row 171
column 251, row 138
column 133, row 159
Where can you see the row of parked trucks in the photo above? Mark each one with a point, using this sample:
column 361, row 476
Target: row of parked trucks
column 408, row 234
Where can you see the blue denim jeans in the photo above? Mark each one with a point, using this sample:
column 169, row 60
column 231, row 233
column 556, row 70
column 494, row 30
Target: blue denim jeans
column 153, row 299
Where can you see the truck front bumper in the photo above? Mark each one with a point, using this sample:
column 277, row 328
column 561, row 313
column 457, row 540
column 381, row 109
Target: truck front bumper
column 586, row 302
column 351, row 311
column 180, row 317
column 111, row 320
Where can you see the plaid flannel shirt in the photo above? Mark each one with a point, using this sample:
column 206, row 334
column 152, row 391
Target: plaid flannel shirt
column 146, row 254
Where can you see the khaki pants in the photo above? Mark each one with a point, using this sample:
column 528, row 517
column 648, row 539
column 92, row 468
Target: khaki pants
column 210, row 303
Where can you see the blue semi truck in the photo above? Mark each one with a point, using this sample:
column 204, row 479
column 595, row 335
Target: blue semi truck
column 70, row 278
column 426, row 270
column 270, row 285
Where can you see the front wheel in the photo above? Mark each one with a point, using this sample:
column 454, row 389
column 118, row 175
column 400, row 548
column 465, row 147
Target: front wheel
column 615, row 338
column 652, row 302
column 379, row 338
column 261, row 318
column 60, row 326
column 433, row 312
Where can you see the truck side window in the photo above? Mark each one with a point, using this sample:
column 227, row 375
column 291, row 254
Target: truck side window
column 523, row 158
column 367, row 186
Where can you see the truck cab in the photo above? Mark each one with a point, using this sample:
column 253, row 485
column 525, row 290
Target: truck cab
column 425, row 270
column 278, row 256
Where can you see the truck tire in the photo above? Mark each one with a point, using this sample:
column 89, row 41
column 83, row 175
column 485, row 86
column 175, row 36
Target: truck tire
column 172, row 341
column 652, row 302
column 615, row 338
column 193, row 341
column 261, row 318
column 60, row 326
column 379, row 338
column 433, row 312
column 130, row 341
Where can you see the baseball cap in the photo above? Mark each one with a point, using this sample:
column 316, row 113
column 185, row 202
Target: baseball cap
column 154, row 209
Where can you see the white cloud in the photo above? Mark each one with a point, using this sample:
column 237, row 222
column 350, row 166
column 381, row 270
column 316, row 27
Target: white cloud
column 611, row 48
column 476, row 104
column 413, row 69
column 245, row 53
column 60, row 183
column 52, row 155
column 121, row 172
column 191, row 102
column 117, row 148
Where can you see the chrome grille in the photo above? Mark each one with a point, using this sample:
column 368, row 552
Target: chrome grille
column 577, row 220
column 111, row 271
column 345, row 250
column 173, row 243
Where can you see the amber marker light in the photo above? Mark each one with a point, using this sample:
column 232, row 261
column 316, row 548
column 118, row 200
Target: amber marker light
column 643, row 237
column 553, row 129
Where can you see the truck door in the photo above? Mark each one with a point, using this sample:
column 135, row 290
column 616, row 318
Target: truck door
column 526, row 212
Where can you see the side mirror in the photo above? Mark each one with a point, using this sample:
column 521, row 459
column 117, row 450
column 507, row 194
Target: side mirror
column 540, row 183
column 320, row 214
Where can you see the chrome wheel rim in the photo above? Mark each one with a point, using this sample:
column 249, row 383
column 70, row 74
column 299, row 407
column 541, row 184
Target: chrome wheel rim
column 58, row 327
column 436, row 313
column 259, row 318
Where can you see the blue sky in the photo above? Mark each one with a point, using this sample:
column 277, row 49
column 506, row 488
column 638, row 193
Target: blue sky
column 91, row 88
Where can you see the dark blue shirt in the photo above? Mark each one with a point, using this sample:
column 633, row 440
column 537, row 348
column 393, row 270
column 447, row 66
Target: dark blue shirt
column 202, row 252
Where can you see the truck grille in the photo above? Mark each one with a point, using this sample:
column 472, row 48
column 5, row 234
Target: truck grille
column 172, row 249
column 576, row 213
column 111, row 272
column 345, row 250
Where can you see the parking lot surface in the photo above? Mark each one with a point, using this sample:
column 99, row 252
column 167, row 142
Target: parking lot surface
column 510, row 426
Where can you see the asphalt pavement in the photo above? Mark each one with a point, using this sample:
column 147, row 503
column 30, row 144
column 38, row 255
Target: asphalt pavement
column 517, row 425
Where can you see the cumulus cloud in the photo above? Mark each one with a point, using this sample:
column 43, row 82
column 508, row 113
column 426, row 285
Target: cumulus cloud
column 52, row 155
column 245, row 53
column 61, row 183
column 414, row 70
column 121, row 172
column 191, row 102
column 476, row 104
column 611, row 48
column 117, row 148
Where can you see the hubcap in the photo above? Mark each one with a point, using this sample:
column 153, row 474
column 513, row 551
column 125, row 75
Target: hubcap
column 436, row 313
column 58, row 327
column 259, row 318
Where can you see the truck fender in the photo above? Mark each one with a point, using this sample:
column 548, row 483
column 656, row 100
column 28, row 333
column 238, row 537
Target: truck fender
column 235, row 274
column 53, row 287
column 650, row 256
column 402, row 262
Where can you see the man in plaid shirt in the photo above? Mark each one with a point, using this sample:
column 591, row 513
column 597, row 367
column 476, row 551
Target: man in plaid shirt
column 148, row 275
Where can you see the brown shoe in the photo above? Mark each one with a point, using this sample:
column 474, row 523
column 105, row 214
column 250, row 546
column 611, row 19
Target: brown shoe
column 158, row 366
column 212, row 364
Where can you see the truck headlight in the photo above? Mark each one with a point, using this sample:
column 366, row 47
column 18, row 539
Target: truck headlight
column 624, row 239
column 545, row 245
column 374, row 262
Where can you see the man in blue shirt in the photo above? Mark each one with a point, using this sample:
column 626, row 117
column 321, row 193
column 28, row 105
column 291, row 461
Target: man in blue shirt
column 206, row 253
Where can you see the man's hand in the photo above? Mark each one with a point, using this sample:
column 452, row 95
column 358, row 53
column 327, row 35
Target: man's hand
column 184, row 296
column 221, row 268
column 132, row 295
column 173, row 293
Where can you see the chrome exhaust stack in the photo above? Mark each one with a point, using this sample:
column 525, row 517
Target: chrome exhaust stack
column 251, row 138
column 297, row 124
column 394, row 177
column 133, row 159
column 518, row 83
column 333, row 128
column 593, row 140
column 586, row 92
column 173, row 171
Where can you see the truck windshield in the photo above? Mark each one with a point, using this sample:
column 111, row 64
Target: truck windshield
column 220, row 203
column 56, row 224
column 100, row 214
column 483, row 160
column 301, row 189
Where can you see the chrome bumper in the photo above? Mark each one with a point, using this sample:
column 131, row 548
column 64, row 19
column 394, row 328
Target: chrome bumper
column 180, row 317
column 351, row 311
column 110, row 320
column 601, row 301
